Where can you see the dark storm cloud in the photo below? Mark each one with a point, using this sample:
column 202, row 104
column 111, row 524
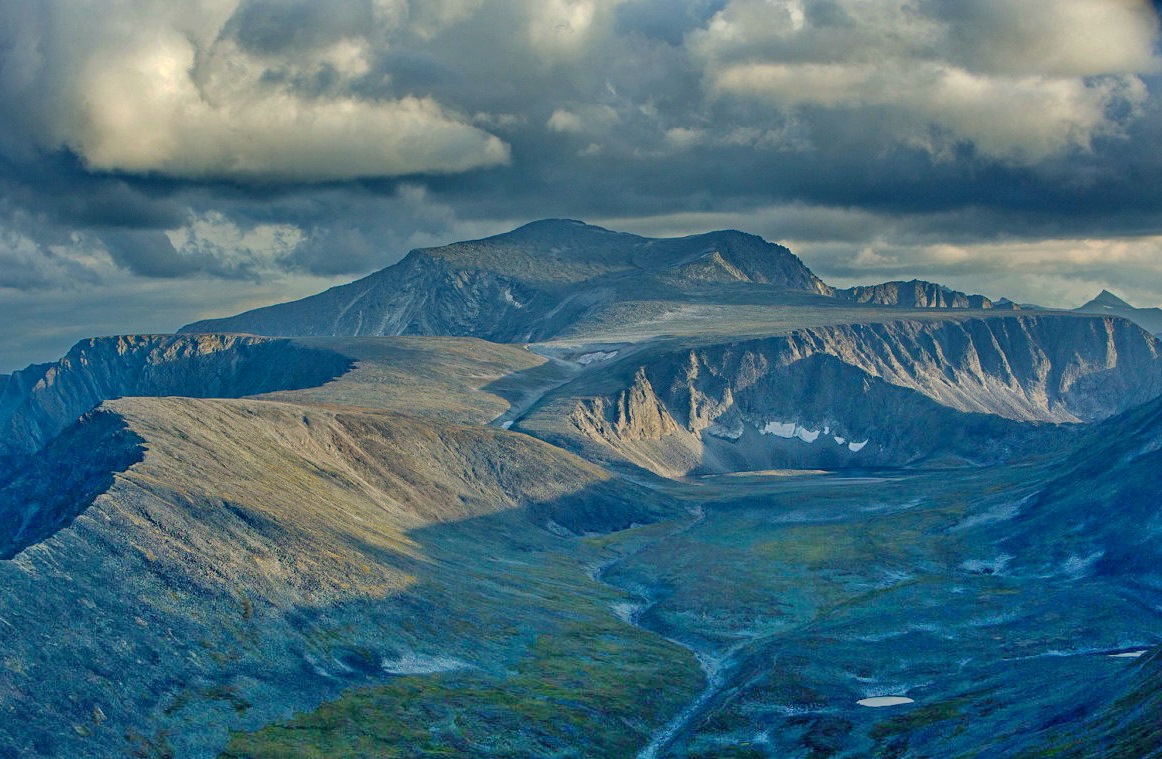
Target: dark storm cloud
column 147, row 252
column 256, row 140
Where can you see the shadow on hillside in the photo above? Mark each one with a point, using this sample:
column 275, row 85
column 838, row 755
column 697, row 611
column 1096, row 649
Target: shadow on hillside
column 44, row 492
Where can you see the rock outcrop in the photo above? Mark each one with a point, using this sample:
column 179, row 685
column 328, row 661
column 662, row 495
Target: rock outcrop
column 913, row 294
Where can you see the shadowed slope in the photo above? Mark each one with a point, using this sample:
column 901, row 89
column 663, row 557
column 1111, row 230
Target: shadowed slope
column 1108, row 304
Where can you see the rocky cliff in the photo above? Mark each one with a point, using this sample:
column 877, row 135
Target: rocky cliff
column 868, row 394
column 913, row 294
column 41, row 401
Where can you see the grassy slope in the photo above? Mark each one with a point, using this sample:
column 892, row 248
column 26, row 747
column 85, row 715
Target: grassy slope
column 434, row 377
column 261, row 544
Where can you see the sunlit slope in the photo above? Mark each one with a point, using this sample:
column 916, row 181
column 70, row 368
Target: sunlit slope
column 197, row 590
column 449, row 379
column 437, row 377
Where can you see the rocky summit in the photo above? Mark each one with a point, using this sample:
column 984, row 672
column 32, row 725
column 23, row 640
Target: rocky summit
column 571, row 492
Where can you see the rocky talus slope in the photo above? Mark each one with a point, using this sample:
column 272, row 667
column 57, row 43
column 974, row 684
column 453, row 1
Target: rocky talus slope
column 861, row 394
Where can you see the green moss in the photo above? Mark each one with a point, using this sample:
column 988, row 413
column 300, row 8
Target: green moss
column 596, row 688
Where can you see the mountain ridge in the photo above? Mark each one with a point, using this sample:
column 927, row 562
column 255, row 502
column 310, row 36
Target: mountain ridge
column 539, row 280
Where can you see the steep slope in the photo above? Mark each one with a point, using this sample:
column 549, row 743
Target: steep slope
column 258, row 544
column 528, row 284
column 913, row 294
column 1106, row 303
column 857, row 395
column 1100, row 514
column 40, row 401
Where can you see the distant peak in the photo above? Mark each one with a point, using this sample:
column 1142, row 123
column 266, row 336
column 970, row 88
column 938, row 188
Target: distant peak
column 1106, row 298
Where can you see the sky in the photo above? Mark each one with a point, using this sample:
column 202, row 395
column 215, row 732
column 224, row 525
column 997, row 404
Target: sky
column 162, row 162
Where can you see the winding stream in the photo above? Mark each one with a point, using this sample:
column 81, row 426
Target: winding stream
column 715, row 668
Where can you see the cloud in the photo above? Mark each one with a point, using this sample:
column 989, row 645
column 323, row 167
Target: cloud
column 1017, row 80
column 171, row 95
column 248, row 145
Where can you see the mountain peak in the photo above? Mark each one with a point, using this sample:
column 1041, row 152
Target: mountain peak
column 1106, row 298
column 563, row 229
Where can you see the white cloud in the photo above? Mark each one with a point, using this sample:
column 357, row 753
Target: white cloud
column 263, row 248
column 1060, row 273
column 583, row 119
column 155, row 87
column 561, row 28
column 1020, row 80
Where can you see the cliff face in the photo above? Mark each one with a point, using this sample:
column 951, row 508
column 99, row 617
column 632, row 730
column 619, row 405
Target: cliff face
column 873, row 394
column 41, row 401
column 913, row 294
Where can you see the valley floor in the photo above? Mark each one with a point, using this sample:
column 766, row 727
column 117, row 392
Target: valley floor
column 797, row 596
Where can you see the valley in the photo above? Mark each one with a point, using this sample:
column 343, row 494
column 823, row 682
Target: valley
column 573, row 493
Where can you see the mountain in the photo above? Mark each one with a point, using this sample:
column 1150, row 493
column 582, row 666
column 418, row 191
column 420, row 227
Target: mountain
column 855, row 395
column 528, row 284
column 41, row 401
column 561, row 278
column 1150, row 319
column 914, row 294
column 247, row 559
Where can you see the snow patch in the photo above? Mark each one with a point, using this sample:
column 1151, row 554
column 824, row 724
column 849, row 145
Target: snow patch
column 589, row 358
column 506, row 425
column 1128, row 654
column 807, row 436
column 779, row 429
column 788, row 430
column 879, row 701
column 627, row 612
column 1076, row 566
column 511, row 299
column 986, row 566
